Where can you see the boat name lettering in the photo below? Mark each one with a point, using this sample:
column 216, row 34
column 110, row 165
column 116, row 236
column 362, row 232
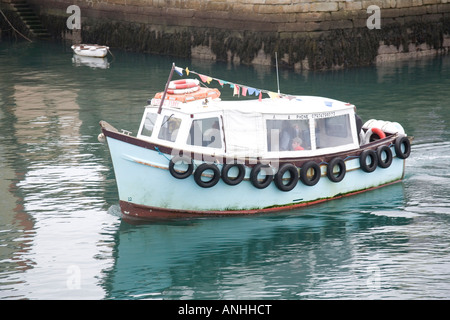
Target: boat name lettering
column 323, row 115
column 167, row 103
column 305, row 116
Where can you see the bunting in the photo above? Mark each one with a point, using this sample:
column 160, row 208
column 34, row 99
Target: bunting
column 238, row 89
column 179, row 71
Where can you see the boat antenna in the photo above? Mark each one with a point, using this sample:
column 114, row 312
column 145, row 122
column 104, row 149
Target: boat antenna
column 167, row 87
column 278, row 78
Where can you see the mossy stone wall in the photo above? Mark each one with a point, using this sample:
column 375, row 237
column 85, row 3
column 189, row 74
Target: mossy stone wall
column 308, row 34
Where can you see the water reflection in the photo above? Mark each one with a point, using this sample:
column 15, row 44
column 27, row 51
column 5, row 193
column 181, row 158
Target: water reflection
column 50, row 184
column 251, row 257
column 91, row 62
column 62, row 236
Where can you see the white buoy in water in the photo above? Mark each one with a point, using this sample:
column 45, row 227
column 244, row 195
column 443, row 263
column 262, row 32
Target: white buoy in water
column 101, row 138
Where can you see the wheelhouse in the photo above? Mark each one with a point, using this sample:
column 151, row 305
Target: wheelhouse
column 282, row 128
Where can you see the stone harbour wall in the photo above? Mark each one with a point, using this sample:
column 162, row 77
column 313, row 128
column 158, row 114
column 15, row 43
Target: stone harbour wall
column 306, row 34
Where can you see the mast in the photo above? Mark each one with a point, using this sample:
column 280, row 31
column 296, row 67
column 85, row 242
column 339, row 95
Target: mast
column 167, row 87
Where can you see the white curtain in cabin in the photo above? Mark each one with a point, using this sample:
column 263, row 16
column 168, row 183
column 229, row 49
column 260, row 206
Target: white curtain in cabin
column 244, row 133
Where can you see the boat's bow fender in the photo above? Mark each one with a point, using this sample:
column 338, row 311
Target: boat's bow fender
column 385, row 126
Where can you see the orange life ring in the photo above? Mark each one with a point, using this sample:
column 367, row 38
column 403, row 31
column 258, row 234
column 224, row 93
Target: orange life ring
column 201, row 93
column 372, row 131
column 379, row 133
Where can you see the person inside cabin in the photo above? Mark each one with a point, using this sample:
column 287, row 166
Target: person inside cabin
column 297, row 144
column 287, row 134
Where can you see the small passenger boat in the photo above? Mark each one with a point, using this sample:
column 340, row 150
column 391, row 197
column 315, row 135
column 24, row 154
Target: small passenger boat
column 90, row 50
column 196, row 155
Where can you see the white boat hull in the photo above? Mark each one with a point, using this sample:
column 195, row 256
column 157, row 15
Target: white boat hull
column 94, row 51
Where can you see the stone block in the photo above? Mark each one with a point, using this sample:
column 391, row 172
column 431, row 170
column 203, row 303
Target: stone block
column 389, row 3
column 391, row 13
column 443, row 8
column 431, row 1
column 379, row 3
column 175, row 12
column 415, row 11
column 312, row 16
column 323, row 6
column 361, row 23
column 268, row 9
column 340, row 24
column 404, row 3
column 278, row 2
column 352, row 5
column 292, row 27
column 217, row 6
column 299, row 7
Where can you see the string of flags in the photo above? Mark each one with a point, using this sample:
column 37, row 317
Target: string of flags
column 238, row 89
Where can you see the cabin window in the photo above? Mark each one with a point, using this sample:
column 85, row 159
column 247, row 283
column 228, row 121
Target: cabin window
column 205, row 133
column 288, row 135
column 169, row 128
column 149, row 124
column 332, row 132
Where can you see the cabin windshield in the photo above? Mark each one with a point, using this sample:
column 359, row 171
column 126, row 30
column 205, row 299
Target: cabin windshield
column 149, row 124
column 169, row 128
column 333, row 132
column 288, row 135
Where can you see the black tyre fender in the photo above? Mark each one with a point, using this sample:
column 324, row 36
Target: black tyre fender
column 233, row 181
column 399, row 142
column 184, row 174
column 254, row 175
column 386, row 162
column 202, row 168
column 342, row 170
column 292, row 180
column 304, row 173
column 368, row 167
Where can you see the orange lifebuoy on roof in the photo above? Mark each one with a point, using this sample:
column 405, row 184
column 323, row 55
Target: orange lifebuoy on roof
column 201, row 93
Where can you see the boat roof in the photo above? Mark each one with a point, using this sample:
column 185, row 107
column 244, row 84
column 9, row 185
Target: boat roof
column 282, row 105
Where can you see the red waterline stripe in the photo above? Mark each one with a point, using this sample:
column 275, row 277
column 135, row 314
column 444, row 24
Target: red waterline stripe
column 136, row 211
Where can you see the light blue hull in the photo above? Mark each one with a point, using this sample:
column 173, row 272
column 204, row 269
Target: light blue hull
column 144, row 180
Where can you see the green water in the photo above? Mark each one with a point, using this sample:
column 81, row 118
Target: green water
column 61, row 235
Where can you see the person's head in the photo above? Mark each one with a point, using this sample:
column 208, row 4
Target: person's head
column 296, row 142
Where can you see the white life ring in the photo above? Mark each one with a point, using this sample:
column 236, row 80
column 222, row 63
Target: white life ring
column 372, row 131
column 183, row 84
column 183, row 91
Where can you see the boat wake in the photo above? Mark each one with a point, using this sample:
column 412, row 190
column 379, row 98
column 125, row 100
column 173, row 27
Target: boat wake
column 115, row 211
column 427, row 182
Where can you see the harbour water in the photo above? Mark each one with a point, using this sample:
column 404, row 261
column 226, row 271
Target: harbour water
column 62, row 237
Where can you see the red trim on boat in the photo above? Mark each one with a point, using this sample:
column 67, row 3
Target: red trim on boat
column 142, row 212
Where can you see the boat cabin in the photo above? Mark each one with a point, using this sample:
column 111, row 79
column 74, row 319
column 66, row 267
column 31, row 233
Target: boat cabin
column 300, row 126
